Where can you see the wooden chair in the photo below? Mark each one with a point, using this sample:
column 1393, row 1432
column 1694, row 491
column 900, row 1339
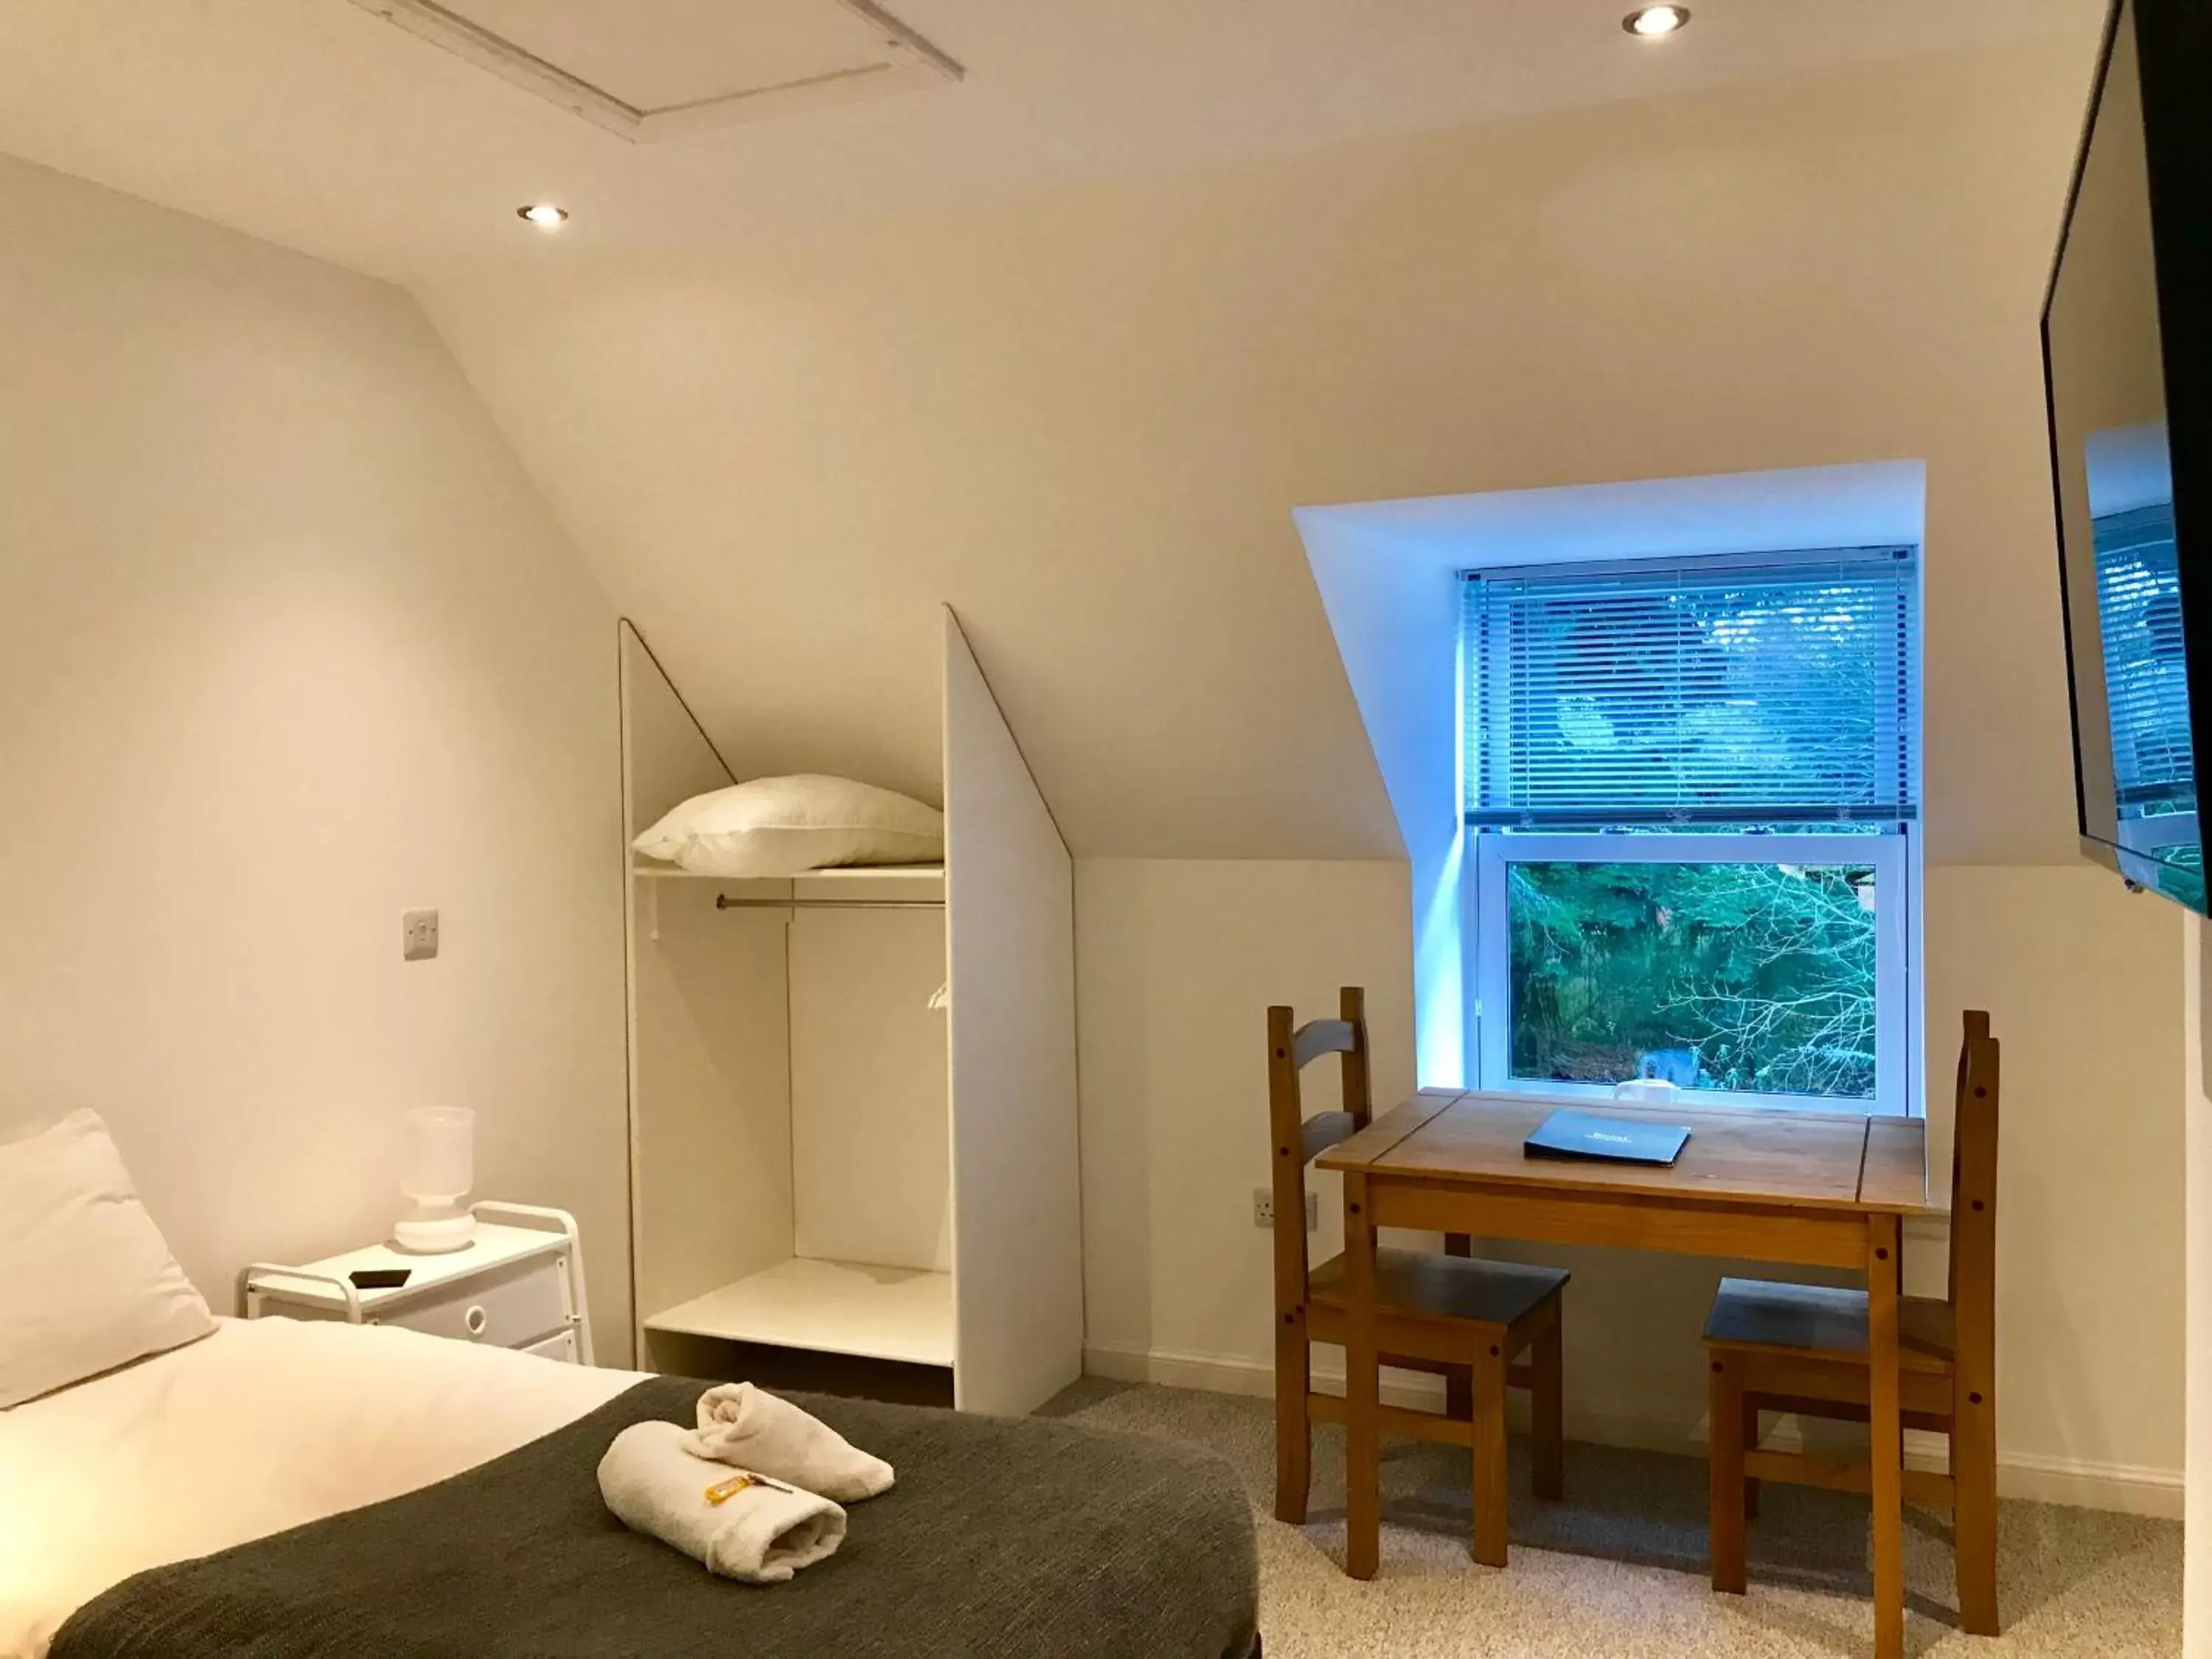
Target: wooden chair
column 1451, row 1314
column 1802, row 1348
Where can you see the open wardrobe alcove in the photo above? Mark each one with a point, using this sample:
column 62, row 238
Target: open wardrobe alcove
column 852, row 1092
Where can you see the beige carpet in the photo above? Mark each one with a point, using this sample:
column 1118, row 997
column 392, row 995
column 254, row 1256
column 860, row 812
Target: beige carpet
column 1618, row 1567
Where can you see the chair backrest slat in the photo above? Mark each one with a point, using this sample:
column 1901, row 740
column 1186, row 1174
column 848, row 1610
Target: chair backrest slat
column 1318, row 1037
column 1295, row 1141
column 1974, row 1205
column 1324, row 1130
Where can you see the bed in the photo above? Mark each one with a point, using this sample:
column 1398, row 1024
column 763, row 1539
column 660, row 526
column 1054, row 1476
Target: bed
column 295, row 1488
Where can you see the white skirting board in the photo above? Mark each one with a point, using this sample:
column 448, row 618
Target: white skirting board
column 2125, row 1488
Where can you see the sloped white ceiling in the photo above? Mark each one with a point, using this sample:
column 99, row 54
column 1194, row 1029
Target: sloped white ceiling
column 317, row 125
column 1086, row 423
column 793, row 385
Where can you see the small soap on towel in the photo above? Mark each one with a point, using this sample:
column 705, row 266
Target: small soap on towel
column 734, row 1522
column 752, row 1429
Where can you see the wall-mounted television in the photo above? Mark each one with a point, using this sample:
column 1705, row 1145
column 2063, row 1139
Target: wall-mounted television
column 2127, row 351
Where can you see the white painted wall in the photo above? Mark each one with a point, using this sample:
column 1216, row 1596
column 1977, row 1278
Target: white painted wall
column 289, row 645
column 1396, row 622
column 1177, row 962
column 2196, row 1283
column 871, row 1130
column 2083, row 985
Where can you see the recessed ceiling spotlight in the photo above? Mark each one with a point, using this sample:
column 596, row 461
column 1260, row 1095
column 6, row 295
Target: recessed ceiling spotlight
column 544, row 214
column 1652, row 21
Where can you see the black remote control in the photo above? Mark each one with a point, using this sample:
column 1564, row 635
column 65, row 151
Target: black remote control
column 379, row 1278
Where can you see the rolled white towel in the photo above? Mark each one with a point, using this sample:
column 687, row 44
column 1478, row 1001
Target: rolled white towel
column 758, row 1530
column 752, row 1429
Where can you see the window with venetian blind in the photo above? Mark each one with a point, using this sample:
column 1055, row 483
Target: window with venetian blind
column 1690, row 788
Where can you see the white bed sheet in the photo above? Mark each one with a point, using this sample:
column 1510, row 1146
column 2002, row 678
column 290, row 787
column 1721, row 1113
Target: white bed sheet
column 265, row 1424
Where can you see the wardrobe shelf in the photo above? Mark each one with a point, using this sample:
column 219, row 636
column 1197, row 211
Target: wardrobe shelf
column 827, row 1307
column 847, row 873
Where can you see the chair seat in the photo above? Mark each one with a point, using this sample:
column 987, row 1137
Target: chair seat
column 1825, row 1322
column 1451, row 1287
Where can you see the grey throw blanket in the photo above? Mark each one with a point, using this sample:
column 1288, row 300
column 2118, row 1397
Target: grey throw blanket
column 1002, row 1540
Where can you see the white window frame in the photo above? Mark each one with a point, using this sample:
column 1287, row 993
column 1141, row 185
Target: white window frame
column 1487, row 925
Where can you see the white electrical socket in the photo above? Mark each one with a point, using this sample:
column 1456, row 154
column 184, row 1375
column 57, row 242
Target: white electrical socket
column 418, row 935
column 1263, row 1208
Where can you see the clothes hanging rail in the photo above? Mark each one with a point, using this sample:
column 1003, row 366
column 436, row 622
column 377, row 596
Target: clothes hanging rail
column 892, row 883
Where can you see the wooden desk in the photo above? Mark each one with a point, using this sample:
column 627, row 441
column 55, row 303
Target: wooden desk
column 1822, row 1189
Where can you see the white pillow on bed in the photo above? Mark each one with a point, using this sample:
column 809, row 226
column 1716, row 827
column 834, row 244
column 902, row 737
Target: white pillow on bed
column 786, row 826
column 87, row 1283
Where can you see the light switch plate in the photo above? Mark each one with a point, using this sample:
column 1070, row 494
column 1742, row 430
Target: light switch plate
column 418, row 935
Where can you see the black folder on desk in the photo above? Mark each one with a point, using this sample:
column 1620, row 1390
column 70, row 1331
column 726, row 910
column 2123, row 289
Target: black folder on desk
column 1606, row 1139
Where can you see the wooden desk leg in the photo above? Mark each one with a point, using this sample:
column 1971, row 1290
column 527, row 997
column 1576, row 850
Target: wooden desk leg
column 1547, row 1428
column 1887, row 1431
column 1362, row 1388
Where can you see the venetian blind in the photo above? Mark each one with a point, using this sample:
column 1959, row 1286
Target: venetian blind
column 1757, row 690
column 2145, row 674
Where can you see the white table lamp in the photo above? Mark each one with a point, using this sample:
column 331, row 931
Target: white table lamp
column 439, row 1169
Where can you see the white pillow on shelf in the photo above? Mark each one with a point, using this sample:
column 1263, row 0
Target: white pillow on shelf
column 87, row 1282
column 787, row 826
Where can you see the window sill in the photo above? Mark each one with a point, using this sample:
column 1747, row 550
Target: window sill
column 1567, row 1094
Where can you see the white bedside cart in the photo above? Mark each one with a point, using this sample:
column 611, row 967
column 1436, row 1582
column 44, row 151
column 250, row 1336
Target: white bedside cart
column 519, row 1284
